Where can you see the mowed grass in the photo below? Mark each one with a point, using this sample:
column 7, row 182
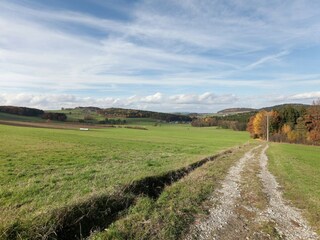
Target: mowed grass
column 297, row 168
column 45, row 169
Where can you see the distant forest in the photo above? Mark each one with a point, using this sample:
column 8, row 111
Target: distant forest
column 237, row 122
column 131, row 113
column 294, row 124
column 33, row 112
column 22, row 111
column 111, row 115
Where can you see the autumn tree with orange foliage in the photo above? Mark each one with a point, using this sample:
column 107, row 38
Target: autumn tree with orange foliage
column 260, row 124
column 257, row 125
column 312, row 121
column 294, row 124
column 250, row 128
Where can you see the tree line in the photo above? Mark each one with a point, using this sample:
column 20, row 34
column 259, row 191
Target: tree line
column 288, row 124
column 54, row 116
column 237, row 122
column 22, row 111
column 33, row 112
column 132, row 113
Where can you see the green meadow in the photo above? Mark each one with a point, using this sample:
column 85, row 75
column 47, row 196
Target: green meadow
column 297, row 169
column 42, row 170
column 13, row 117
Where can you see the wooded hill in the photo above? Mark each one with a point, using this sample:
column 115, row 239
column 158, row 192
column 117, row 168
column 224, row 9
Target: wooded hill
column 22, row 111
column 33, row 112
column 236, row 110
column 108, row 113
column 132, row 113
column 238, row 121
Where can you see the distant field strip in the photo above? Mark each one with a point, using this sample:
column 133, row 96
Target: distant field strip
column 49, row 170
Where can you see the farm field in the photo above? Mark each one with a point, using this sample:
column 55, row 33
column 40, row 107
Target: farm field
column 43, row 170
column 73, row 115
column 297, row 169
column 13, row 117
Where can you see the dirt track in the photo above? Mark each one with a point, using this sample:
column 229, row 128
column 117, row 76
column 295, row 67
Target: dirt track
column 249, row 205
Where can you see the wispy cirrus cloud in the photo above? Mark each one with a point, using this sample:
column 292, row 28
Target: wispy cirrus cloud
column 267, row 59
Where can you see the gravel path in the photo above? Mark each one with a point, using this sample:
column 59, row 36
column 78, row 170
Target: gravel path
column 289, row 221
column 225, row 221
column 226, row 198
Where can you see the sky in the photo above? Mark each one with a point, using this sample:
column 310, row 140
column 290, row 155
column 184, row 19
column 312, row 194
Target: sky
column 161, row 55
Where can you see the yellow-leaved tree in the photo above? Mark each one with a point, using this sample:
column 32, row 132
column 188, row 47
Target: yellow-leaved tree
column 260, row 124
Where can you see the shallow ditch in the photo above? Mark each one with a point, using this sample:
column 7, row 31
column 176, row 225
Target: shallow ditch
column 80, row 220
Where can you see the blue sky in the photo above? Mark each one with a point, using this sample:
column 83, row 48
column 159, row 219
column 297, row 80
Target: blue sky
column 168, row 55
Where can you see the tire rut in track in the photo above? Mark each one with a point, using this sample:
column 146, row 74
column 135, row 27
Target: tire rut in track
column 249, row 205
column 226, row 197
column 289, row 221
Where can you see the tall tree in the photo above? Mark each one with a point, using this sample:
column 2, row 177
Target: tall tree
column 250, row 127
column 313, row 122
column 260, row 124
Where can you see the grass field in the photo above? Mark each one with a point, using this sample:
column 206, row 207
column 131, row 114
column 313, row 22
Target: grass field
column 42, row 170
column 14, row 117
column 73, row 115
column 297, row 168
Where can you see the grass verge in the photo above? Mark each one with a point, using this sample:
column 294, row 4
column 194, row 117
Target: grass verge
column 297, row 169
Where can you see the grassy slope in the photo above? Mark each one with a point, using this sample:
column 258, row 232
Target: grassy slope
column 297, row 168
column 75, row 114
column 13, row 117
column 44, row 169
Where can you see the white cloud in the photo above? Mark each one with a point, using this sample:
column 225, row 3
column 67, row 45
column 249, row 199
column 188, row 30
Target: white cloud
column 56, row 101
column 156, row 98
column 305, row 96
column 203, row 99
column 206, row 102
